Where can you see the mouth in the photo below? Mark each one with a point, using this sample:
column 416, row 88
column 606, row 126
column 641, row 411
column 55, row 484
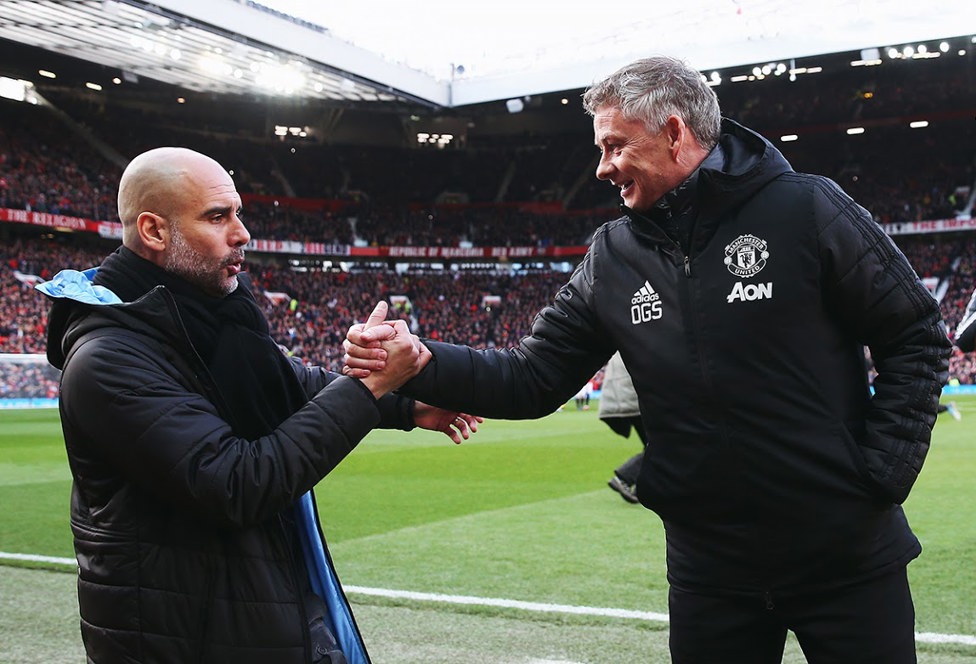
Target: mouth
column 626, row 189
column 235, row 266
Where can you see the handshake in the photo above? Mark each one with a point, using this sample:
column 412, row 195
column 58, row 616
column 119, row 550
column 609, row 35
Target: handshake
column 384, row 355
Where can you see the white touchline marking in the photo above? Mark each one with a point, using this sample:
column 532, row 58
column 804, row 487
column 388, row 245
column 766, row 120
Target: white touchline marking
column 37, row 559
column 934, row 637
column 508, row 603
column 541, row 607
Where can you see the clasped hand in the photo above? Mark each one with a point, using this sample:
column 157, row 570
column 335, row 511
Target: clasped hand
column 397, row 355
column 385, row 355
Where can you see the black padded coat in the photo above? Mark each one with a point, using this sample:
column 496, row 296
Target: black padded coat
column 773, row 465
column 179, row 525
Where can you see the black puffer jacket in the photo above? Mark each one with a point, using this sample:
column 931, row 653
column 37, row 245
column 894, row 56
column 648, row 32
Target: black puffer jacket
column 181, row 527
column 770, row 462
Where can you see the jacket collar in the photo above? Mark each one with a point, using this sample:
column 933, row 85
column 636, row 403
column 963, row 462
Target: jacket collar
column 738, row 165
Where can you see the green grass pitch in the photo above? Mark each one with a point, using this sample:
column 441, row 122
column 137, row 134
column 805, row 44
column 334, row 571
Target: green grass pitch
column 520, row 512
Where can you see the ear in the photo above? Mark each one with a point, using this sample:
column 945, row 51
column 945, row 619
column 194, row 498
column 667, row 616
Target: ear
column 153, row 231
column 677, row 133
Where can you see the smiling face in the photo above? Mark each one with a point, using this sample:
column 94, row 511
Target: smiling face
column 643, row 164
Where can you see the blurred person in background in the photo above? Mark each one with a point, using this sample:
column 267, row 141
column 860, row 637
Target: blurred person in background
column 619, row 409
column 965, row 334
column 582, row 397
column 194, row 442
column 740, row 295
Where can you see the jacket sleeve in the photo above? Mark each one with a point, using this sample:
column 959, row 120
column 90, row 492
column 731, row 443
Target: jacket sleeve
column 565, row 348
column 396, row 410
column 966, row 330
column 126, row 407
column 872, row 290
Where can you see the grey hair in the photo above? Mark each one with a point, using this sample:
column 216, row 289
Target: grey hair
column 652, row 89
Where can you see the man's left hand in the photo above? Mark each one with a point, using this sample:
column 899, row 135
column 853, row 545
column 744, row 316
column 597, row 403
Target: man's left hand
column 456, row 425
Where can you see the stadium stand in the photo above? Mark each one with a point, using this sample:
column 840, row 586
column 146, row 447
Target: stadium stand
column 519, row 189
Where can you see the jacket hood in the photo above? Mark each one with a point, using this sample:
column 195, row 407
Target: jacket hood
column 741, row 163
column 79, row 306
column 750, row 162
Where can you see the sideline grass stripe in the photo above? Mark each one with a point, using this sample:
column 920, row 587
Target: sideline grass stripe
column 508, row 604
column 29, row 557
column 932, row 637
column 921, row 637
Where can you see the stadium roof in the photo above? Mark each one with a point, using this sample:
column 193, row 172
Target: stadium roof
column 445, row 53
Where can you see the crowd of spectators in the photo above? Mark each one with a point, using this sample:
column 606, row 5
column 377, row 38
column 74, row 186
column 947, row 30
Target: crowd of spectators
column 23, row 315
column 961, row 281
column 494, row 192
column 310, row 309
column 393, row 195
column 486, row 226
column 28, row 380
column 311, row 321
column 45, row 168
column 274, row 221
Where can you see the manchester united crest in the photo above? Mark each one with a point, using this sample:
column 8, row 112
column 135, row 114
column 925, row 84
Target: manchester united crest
column 746, row 256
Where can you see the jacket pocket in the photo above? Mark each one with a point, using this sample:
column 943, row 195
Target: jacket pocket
column 853, row 438
column 688, row 476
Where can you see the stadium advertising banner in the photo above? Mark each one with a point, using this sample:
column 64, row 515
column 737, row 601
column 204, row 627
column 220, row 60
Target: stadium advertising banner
column 110, row 229
column 466, row 252
column 295, row 247
column 47, row 219
column 932, row 226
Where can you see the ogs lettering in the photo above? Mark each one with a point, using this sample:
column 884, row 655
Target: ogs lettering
column 645, row 309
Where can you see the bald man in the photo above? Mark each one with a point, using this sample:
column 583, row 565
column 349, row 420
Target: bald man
column 194, row 442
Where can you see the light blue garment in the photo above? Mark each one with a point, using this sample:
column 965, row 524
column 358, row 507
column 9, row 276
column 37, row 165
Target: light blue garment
column 325, row 584
column 78, row 286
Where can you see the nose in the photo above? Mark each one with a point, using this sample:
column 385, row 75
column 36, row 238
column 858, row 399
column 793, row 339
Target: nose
column 239, row 234
column 603, row 168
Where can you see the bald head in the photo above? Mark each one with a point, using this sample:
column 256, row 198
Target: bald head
column 181, row 211
column 159, row 182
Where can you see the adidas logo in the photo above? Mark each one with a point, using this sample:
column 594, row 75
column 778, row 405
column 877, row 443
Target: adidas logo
column 645, row 293
column 645, row 305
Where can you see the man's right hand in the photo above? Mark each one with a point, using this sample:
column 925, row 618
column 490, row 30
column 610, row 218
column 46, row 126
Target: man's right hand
column 394, row 355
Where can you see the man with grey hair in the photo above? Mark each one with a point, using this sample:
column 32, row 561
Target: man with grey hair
column 740, row 295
